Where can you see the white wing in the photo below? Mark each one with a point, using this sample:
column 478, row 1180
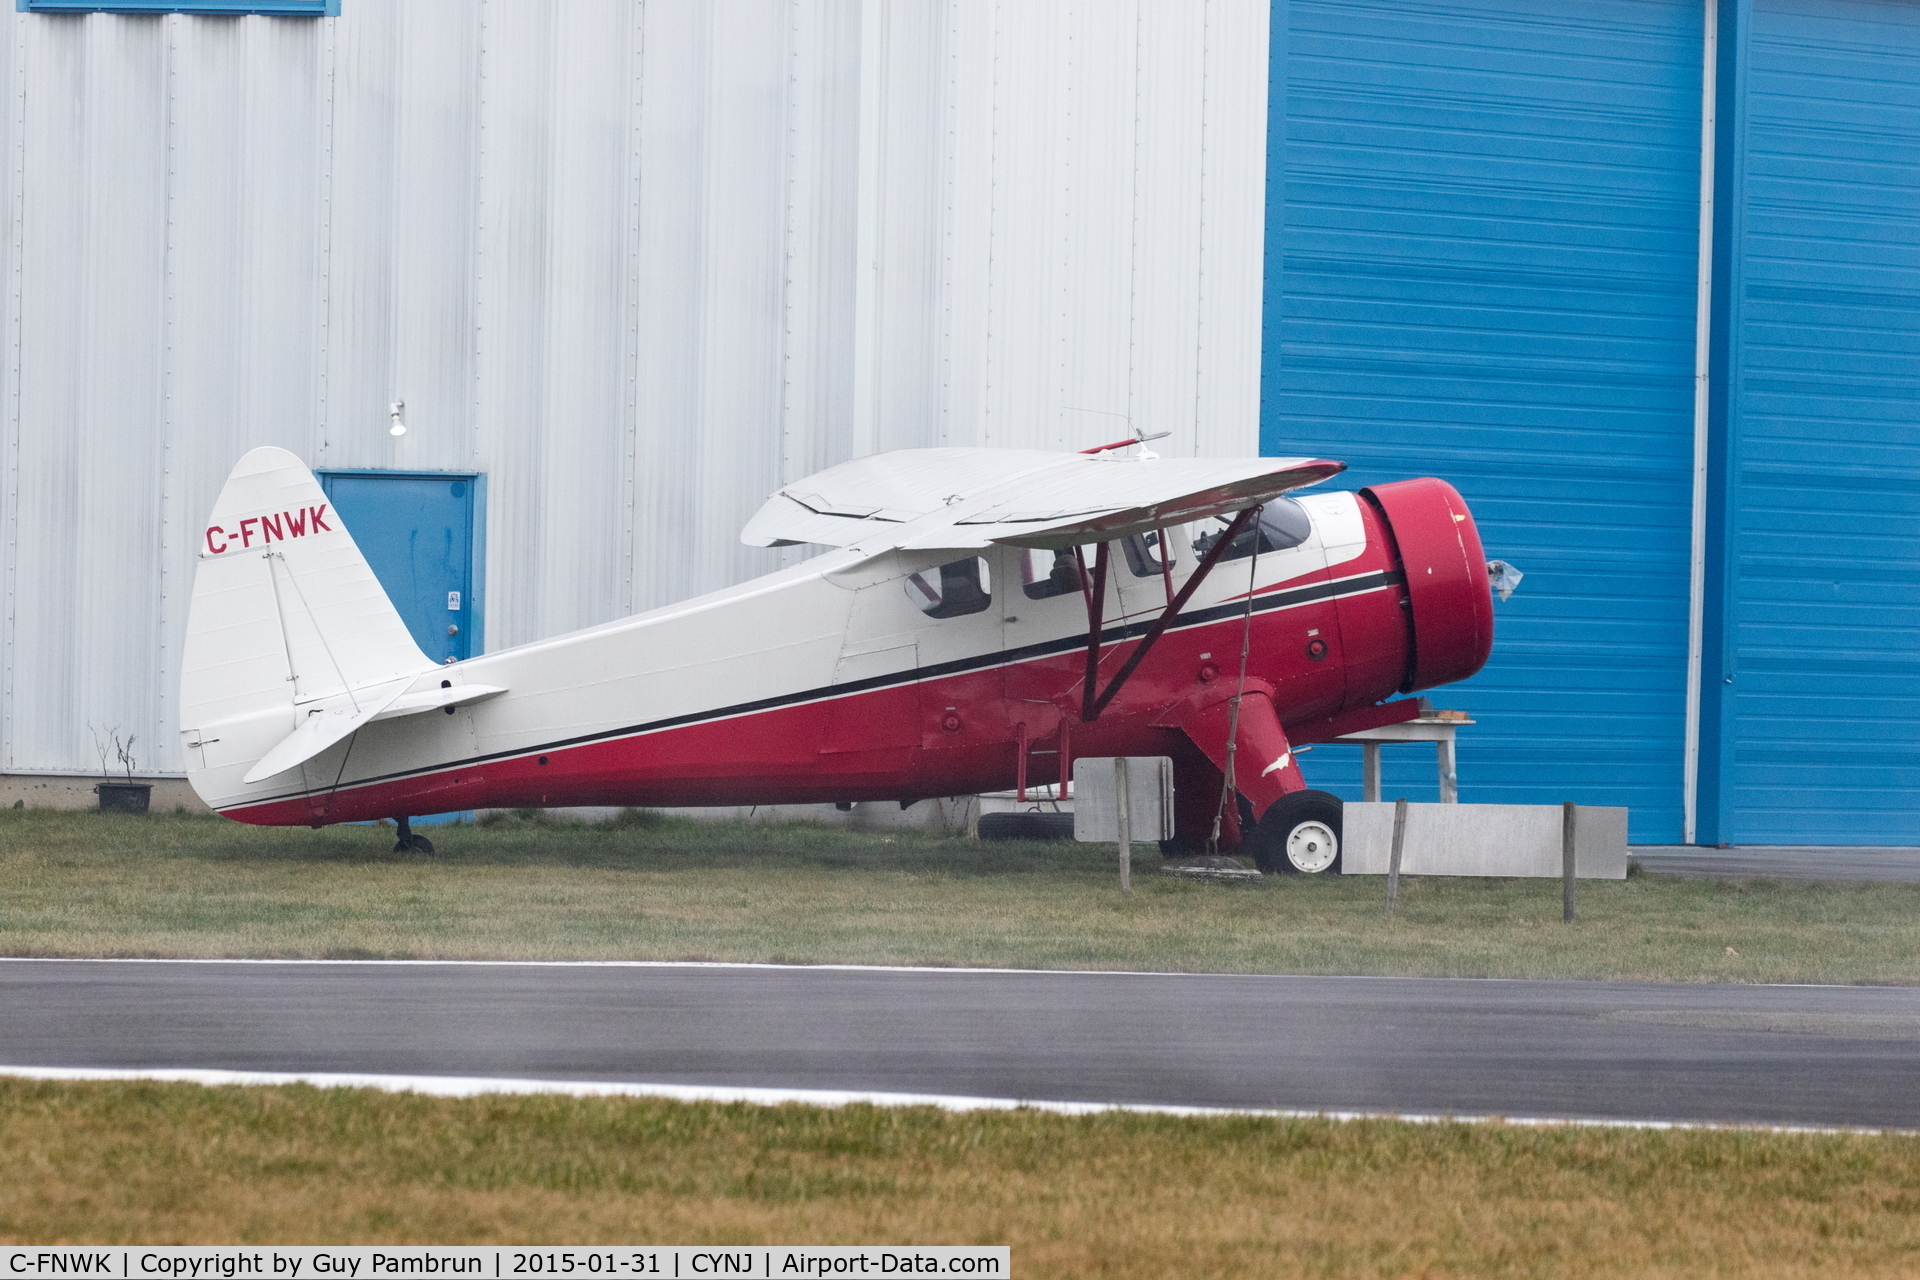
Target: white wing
column 973, row 498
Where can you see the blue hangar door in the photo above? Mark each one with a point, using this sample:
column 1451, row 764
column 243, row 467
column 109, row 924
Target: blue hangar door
column 420, row 531
column 1811, row 728
column 1482, row 230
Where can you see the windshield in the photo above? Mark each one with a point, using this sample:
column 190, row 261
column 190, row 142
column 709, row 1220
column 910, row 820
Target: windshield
column 1283, row 523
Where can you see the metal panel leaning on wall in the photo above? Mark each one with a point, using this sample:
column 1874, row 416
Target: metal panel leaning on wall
column 1481, row 238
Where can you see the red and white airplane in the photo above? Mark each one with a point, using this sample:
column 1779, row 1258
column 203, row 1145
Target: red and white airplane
column 986, row 617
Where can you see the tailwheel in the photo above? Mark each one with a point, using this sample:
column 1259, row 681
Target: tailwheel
column 409, row 842
column 1299, row 835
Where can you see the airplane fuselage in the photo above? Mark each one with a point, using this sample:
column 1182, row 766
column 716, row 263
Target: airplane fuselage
column 831, row 681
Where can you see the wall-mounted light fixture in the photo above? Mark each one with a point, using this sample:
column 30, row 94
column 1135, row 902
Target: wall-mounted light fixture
column 398, row 428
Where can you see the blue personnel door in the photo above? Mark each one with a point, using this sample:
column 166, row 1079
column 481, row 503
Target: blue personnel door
column 420, row 531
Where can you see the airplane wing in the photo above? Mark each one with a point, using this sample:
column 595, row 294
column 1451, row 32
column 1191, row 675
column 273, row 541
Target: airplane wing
column 845, row 504
column 974, row 498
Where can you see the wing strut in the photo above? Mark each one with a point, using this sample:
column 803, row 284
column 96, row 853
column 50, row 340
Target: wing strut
column 1096, row 614
column 1091, row 706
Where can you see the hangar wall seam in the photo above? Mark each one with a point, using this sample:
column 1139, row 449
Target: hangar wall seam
column 1702, row 421
column 636, row 31
column 15, row 196
column 169, row 332
column 1730, row 158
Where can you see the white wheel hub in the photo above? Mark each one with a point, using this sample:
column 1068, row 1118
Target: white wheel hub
column 1312, row 847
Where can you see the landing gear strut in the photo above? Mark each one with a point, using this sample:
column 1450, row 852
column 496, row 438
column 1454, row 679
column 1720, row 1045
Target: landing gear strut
column 409, row 842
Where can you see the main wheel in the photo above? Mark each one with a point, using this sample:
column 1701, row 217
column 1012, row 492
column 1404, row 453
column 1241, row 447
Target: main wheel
column 1299, row 835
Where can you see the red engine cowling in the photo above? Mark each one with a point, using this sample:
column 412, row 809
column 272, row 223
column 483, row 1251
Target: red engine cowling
column 1447, row 586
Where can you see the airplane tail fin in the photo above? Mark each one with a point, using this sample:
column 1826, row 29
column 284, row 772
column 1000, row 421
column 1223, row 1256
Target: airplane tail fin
column 287, row 620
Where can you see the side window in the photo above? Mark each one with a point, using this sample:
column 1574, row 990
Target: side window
column 1283, row 524
column 1048, row 573
column 953, row 589
column 1148, row 554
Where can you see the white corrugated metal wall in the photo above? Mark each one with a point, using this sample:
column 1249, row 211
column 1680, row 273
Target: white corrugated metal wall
column 640, row 262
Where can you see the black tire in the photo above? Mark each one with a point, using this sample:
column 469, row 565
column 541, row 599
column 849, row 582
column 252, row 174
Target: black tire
column 1026, row 826
column 1292, row 838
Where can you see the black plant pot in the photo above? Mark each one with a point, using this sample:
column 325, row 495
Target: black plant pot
column 124, row 797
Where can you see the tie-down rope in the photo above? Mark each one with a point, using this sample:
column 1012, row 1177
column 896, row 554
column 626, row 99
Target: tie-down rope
column 1233, row 713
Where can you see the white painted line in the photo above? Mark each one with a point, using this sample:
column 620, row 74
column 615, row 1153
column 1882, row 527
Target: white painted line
column 479, row 1086
column 955, row 970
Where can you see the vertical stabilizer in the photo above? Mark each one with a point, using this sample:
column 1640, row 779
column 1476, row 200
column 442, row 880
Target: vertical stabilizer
column 287, row 619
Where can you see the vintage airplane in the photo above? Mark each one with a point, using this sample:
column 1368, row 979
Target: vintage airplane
column 986, row 617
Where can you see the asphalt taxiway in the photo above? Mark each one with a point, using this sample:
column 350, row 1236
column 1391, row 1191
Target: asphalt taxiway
column 1693, row 1053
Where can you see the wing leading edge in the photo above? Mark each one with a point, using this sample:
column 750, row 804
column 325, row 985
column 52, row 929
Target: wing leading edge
column 969, row 499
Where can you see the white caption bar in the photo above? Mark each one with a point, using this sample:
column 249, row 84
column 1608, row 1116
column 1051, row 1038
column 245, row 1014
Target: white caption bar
column 495, row 1262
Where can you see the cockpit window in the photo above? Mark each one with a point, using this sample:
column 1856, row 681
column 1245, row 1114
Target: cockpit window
column 961, row 587
column 1283, row 524
column 1048, row 573
column 1145, row 552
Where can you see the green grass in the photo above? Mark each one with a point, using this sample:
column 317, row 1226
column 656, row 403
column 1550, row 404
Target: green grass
column 1107, row 1195
column 648, row 887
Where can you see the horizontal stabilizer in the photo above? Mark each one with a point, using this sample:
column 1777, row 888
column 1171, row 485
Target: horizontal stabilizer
column 321, row 728
column 974, row 498
column 327, row 725
column 414, row 704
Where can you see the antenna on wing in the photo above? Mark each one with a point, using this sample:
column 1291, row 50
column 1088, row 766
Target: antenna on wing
column 1145, row 454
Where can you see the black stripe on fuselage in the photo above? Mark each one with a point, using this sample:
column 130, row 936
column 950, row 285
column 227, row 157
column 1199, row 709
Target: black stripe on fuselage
column 1357, row 585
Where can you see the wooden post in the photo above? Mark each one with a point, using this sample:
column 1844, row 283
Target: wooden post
column 1566, row 862
column 1399, row 843
column 1126, row 823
